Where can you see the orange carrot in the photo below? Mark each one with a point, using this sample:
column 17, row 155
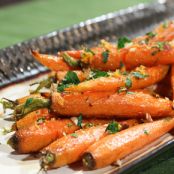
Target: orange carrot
column 34, row 137
column 109, row 104
column 32, row 117
column 40, row 134
column 53, row 62
column 116, row 146
column 149, row 76
column 70, row 148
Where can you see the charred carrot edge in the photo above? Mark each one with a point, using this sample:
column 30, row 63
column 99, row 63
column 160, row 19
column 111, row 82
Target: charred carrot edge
column 109, row 104
column 150, row 76
column 52, row 62
column 42, row 132
column 116, row 146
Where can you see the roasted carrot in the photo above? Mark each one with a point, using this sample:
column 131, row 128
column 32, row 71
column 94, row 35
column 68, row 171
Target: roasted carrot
column 53, row 62
column 32, row 117
column 38, row 135
column 116, row 146
column 70, row 148
column 138, row 79
column 109, row 104
column 79, row 142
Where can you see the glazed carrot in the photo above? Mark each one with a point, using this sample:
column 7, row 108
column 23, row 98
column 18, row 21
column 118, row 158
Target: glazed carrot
column 148, row 55
column 53, row 62
column 40, row 134
column 80, row 74
column 79, row 142
column 109, row 104
column 43, row 132
column 138, row 79
column 116, row 146
column 70, row 148
column 32, row 117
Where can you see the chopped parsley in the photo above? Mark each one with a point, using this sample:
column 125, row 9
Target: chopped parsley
column 121, row 65
column 151, row 34
column 139, row 75
column 146, row 132
column 122, row 41
column 69, row 79
column 113, row 127
column 40, row 120
column 97, row 73
column 105, row 56
column 89, row 51
column 160, row 46
column 79, row 121
column 128, row 82
column 74, row 135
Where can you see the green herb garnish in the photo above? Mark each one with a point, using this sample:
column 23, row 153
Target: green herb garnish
column 79, row 121
column 139, row 75
column 105, row 56
column 88, row 125
column 122, row 41
column 74, row 135
column 97, row 73
column 6, row 131
column 113, row 127
column 70, row 78
column 128, row 82
column 90, row 51
column 145, row 132
column 151, row 34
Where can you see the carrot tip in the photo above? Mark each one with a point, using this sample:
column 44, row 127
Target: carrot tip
column 13, row 142
column 88, row 161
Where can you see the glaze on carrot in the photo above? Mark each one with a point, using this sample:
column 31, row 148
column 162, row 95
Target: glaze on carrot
column 116, row 146
column 138, row 79
column 109, row 104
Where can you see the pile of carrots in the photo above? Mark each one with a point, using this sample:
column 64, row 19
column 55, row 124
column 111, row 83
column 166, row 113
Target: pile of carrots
column 102, row 103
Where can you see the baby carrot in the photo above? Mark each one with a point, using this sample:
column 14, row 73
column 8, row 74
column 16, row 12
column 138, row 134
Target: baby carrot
column 138, row 80
column 108, row 104
column 116, row 146
column 53, row 62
